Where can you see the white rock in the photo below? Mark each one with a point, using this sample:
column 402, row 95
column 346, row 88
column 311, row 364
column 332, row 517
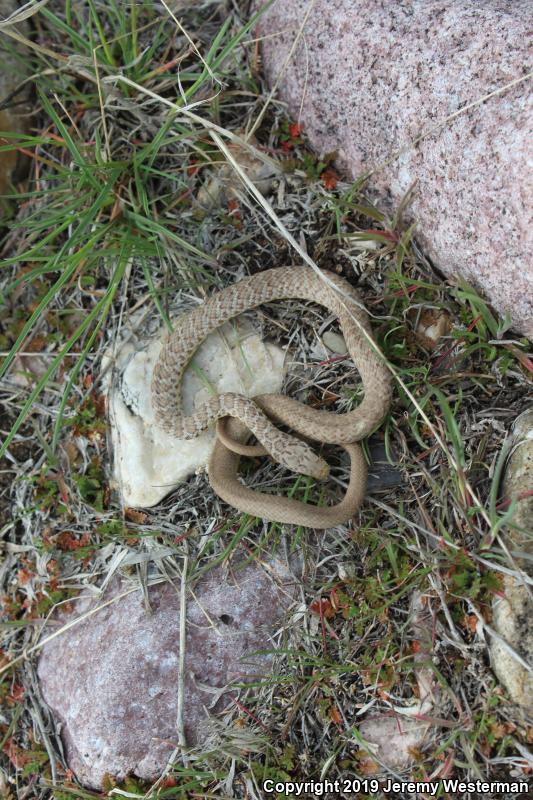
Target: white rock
column 149, row 463
column 393, row 740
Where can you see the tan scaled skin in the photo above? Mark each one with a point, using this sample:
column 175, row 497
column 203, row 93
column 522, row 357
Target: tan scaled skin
column 260, row 415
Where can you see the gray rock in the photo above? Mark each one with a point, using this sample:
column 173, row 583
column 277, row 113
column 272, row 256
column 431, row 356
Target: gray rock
column 367, row 77
column 513, row 613
column 112, row 680
column 335, row 342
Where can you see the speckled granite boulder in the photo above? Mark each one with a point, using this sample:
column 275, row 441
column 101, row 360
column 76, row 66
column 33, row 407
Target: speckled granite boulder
column 112, row 680
column 371, row 75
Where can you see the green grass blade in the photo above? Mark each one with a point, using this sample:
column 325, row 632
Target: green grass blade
column 108, row 299
column 49, row 372
column 46, row 300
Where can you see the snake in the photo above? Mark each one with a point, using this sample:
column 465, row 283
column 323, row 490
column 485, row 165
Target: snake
column 238, row 417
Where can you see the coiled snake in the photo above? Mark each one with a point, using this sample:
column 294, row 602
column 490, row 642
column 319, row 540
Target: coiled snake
column 259, row 415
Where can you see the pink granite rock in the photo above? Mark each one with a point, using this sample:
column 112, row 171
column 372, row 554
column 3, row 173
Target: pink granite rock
column 372, row 75
column 112, row 680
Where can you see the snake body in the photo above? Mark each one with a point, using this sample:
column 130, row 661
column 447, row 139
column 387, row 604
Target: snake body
column 260, row 415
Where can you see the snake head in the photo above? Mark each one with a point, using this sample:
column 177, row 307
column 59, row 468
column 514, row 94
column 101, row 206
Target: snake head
column 321, row 470
column 301, row 458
